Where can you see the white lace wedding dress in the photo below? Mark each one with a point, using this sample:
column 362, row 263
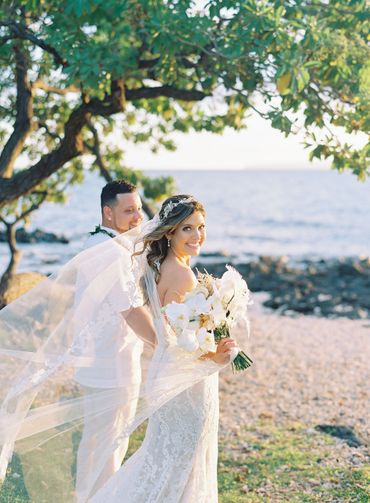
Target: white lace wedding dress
column 42, row 396
column 177, row 461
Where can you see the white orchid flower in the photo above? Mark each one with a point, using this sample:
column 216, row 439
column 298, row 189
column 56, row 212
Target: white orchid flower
column 197, row 290
column 188, row 341
column 195, row 323
column 217, row 311
column 206, row 341
column 232, row 277
column 197, row 304
column 178, row 315
column 206, row 321
column 237, row 307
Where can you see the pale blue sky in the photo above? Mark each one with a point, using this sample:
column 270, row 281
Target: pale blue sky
column 257, row 147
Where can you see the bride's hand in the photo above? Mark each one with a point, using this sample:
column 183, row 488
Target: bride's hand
column 223, row 352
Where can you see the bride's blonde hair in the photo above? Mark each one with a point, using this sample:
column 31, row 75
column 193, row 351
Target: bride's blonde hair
column 174, row 210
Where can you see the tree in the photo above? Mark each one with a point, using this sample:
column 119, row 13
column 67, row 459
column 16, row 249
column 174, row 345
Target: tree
column 77, row 70
column 53, row 189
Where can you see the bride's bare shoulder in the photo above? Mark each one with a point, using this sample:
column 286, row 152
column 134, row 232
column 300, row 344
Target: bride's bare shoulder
column 175, row 282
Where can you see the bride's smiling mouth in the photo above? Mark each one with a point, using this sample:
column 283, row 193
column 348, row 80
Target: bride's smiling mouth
column 193, row 245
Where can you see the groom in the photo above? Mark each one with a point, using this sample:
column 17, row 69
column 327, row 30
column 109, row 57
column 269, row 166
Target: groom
column 121, row 211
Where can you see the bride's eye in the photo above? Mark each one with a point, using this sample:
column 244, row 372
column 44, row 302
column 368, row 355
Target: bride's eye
column 186, row 228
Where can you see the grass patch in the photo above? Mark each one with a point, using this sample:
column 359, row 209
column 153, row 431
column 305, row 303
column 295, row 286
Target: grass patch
column 31, row 489
column 272, row 464
column 136, row 440
column 267, row 464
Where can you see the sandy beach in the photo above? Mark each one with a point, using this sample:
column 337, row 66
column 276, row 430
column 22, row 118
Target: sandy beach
column 309, row 371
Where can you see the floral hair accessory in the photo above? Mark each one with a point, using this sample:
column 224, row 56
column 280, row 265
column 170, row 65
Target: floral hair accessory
column 172, row 205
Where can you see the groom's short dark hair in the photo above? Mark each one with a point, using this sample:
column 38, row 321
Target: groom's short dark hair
column 110, row 191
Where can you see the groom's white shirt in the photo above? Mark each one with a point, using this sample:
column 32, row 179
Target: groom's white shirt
column 99, row 237
column 122, row 350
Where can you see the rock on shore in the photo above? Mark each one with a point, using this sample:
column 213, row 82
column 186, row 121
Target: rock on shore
column 20, row 284
column 36, row 236
column 330, row 288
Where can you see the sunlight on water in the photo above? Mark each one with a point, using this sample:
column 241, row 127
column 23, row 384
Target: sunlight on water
column 301, row 214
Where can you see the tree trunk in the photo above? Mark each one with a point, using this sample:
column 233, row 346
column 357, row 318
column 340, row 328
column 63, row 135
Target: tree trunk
column 15, row 256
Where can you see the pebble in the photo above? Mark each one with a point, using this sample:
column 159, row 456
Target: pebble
column 307, row 370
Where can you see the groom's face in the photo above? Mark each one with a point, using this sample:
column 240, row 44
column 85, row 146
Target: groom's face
column 125, row 214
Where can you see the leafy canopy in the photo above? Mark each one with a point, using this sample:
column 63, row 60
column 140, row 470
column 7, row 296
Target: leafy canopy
column 76, row 71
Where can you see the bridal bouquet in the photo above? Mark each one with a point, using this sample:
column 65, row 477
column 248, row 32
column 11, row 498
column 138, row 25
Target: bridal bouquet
column 208, row 313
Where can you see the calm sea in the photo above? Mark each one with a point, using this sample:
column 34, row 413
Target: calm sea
column 302, row 214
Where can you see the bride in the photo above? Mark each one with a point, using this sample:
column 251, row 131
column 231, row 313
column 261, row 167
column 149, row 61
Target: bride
column 51, row 333
column 177, row 461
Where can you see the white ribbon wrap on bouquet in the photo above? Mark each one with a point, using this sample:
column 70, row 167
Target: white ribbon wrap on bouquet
column 234, row 353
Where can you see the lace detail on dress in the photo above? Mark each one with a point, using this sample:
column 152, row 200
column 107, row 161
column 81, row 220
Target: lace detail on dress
column 177, row 462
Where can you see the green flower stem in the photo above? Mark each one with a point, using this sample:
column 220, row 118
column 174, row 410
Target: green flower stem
column 241, row 361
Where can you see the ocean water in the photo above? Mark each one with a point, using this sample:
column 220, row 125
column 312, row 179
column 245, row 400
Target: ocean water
column 301, row 214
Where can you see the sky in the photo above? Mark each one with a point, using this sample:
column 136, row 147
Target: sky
column 257, row 147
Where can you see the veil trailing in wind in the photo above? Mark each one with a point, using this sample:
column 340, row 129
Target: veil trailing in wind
column 59, row 352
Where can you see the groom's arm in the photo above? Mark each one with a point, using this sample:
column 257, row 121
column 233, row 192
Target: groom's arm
column 141, row 322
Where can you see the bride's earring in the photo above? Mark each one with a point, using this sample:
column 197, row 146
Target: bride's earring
column 169, row 243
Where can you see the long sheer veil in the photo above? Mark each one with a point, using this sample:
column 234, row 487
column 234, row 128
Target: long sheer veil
column 54, row 336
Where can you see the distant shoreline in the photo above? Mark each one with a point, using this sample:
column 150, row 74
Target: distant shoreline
column 329, row 287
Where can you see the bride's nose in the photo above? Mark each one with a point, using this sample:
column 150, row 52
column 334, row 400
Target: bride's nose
column 197, row 234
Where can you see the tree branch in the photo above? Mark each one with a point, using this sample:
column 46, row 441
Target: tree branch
column 71, row 145
column 144, row 64
column 15, row 256
column 52, row 135
column 24, row 107
column 148, row 63
column 4, row 40
column 95, row 149
column 18, row 30
column 168, row 91
column 39, row 84
column 35, row 206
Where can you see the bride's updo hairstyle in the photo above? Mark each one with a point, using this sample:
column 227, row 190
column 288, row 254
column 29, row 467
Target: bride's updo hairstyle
column 174, row 210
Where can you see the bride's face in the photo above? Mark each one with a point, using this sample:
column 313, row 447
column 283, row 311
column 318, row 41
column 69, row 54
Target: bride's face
column 189, row 236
